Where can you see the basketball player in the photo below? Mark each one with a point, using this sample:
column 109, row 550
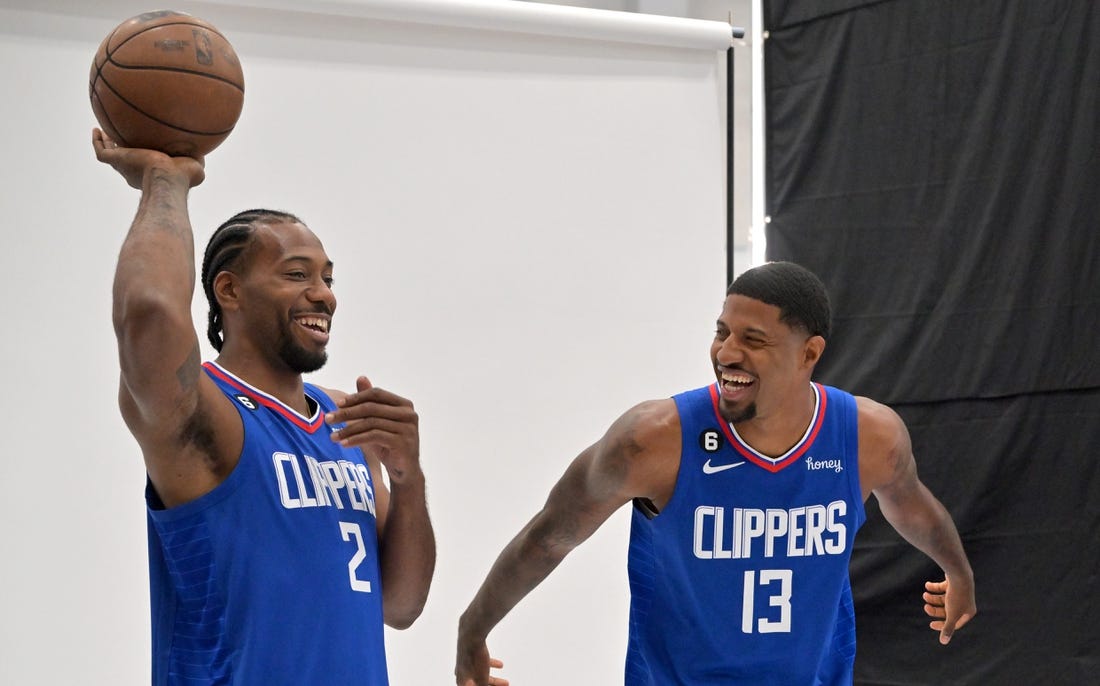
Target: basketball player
column 276, row 551
column 747, row 495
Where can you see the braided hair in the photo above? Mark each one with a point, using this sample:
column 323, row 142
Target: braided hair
column 223, row 253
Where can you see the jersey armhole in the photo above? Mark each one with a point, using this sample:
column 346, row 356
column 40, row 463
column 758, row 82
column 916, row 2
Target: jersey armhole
column 646, row 507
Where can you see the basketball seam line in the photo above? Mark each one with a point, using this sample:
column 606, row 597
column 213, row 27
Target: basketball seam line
column 179, row 70
column 158, row 120
column 111, row 122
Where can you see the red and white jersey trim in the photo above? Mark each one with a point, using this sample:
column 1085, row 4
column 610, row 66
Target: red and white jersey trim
column 310, row 424
column 774, row 464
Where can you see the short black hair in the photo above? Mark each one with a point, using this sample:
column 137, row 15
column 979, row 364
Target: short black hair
column 798, row 293
column 224, row 252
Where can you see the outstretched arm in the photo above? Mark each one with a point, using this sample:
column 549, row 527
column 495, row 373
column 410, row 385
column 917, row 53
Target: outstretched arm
column 386, row 427
column 889, row 470
column 637, row 457
column 160, row 390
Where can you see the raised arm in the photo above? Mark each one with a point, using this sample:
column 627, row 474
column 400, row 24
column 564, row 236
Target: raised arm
column 160, row 389
column 889, row 470
column 386, row 427
column 638, row 457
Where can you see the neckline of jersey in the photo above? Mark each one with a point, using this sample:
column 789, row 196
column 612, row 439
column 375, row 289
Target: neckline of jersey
column 311, row 423
column 774, row 464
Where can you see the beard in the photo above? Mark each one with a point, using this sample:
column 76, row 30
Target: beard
column 736, row 417
column 297, row 358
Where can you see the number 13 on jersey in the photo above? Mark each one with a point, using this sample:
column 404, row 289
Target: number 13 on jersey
column 777, row 586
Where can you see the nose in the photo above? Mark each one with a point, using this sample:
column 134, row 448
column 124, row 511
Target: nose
column 728, row 353
column 321, row 292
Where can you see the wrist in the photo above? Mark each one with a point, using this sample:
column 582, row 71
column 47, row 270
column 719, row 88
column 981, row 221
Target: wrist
column 164, row 177
column 410, row 478
column 468, row 632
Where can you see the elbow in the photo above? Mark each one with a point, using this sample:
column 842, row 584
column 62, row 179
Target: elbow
column 137, row 314
column 548, row 540
column 402, row 618
column 133, row 310
column 404, row 601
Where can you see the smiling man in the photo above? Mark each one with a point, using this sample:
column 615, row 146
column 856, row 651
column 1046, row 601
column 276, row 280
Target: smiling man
column 276, row 551
column 747, row 495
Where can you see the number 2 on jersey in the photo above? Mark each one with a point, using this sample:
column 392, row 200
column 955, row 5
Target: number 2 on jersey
column 782, row 600
column 351, row 530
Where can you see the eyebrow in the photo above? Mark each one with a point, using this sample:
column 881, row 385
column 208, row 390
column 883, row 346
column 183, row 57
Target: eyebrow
column 304, row 258
column 751, row 329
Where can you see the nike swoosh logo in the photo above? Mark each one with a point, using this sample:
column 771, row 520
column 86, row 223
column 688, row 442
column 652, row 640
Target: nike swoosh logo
column 711, row 469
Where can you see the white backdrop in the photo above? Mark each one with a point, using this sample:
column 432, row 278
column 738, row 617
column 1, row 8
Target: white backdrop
column 529, row 238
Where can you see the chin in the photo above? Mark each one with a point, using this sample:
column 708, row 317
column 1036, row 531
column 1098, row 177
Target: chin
column 303, row 361
column 308, row 368
column 737, row 415
column 312, row 364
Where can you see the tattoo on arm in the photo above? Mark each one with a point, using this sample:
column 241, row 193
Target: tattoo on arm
column 197, row 430
column 591, row 489
column 614, row 466
column 188, row 373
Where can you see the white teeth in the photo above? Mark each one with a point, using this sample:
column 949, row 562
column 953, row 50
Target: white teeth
column 736, row 378
column 317, row 322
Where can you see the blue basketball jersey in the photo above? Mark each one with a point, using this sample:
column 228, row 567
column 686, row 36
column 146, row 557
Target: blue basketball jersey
column 743, row 577
column 271, row 578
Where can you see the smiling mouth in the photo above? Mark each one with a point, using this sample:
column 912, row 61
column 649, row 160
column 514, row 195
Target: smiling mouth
column 734, row 384
column 317, row 326
column 735, row 381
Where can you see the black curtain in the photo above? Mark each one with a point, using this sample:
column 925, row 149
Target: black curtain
column 936, row 163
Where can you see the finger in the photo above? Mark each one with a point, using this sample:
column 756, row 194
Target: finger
column 376, row 439
column 363, row 383
column 497, row 681
column 374, row 394
column 100, row 143
column 495, row 663
column 935, row 611
column 963, row 621
column 372, row 409
column 391, row 429
column 936, row 586
column 950, row 625
column 349, row 438
column 934, row 599
column 947, row 631
column 382, row 445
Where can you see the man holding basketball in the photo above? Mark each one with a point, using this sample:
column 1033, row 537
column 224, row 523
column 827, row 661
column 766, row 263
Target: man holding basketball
column 747, row 495
column 276, row 550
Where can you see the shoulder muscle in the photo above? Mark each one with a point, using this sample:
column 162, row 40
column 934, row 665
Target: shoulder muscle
column 885, row 451
column 640, row 453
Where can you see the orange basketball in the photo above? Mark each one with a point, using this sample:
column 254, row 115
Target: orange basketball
column 167, row 81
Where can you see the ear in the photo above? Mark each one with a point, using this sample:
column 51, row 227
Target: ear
column 227, row 291
column 812, row 350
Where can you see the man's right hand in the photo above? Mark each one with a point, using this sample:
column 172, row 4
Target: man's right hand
column 473, row 664
column 132, row 163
